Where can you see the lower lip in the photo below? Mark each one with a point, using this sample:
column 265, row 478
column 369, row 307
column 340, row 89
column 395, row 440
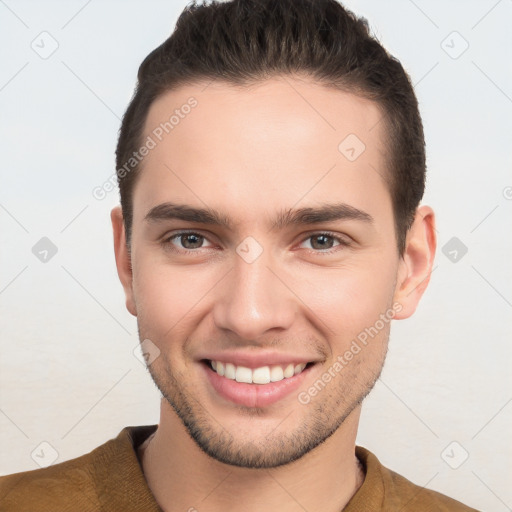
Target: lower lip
column 254, row 395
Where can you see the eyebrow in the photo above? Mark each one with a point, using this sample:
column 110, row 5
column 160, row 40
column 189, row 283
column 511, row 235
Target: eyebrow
column 287, row 217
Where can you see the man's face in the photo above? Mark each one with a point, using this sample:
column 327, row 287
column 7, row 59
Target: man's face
column 257, row 293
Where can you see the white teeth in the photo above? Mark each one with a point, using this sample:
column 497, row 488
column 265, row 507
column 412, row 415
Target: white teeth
column 299, row 368
column 276, row 373
column 289, row 371
column 261, row 375
column 230, row 371
column 243, row 374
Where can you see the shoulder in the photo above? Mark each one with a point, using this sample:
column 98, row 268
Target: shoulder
column 399, row 493
column 102, row 479
column 68, row 486
column 416, row 498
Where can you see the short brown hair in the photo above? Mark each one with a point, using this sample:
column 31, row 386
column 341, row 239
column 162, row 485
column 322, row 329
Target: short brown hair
column 243, row 42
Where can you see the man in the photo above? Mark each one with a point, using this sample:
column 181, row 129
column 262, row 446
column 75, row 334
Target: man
column 271, row 164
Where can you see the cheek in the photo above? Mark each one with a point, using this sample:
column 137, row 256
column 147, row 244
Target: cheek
column 347, row 300
column 169, row 297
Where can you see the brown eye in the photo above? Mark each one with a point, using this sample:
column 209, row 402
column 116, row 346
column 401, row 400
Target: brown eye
column 191, row 240
column 322, row 241
column 186, row 241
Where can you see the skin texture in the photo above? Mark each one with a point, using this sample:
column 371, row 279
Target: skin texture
column 251, row 153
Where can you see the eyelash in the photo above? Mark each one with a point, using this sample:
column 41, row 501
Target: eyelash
column 167, row 242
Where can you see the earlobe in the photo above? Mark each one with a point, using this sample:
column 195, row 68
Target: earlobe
column 123, row 258
column 416, row 264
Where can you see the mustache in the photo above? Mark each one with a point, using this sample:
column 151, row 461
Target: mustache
column 291, row 345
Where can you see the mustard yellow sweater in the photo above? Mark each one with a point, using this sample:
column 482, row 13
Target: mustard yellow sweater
column 110, row 479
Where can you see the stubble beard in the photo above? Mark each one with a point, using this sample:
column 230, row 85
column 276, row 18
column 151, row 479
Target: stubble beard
column 290, row 440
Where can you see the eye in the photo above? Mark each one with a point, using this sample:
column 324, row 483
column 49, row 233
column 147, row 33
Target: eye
column 185, row 241
column 191, row 241
column 323, row 242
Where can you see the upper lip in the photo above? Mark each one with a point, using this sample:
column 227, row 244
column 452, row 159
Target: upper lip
column 257, row 360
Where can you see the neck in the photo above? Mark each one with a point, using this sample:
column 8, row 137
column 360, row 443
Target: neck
column 182, row 477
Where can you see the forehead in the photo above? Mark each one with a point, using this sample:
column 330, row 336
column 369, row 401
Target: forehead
column 275, row 143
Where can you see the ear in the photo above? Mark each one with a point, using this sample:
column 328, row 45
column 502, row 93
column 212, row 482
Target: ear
column 123, row 258
column 416, row 263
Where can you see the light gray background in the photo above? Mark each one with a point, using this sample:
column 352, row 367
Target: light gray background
column 69, row 376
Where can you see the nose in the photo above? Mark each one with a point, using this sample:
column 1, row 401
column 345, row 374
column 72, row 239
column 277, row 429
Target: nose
column 254, row 299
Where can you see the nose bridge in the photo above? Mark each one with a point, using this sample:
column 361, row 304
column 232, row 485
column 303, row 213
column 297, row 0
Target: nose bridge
column 254, row 299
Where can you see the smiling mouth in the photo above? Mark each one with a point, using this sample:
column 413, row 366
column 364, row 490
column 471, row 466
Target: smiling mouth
column 261, row 375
